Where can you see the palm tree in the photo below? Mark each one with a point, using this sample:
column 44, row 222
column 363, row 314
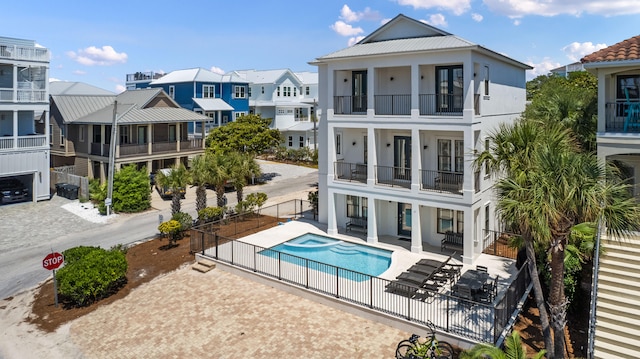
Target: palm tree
column 220, row 174
column 513, row 350
column 200, row 174
column 176, row 180
column 550, row 186
column 242, row 166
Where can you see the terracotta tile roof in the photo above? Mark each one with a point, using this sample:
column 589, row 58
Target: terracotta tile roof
column 625, row 50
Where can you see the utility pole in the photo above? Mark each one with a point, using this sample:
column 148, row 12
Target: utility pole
column 112, row 157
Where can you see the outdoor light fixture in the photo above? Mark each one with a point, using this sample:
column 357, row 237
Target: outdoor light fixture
column 345, row 80
column 425, row 147
column 354, row 143
column 391, row 78
column 388, row 145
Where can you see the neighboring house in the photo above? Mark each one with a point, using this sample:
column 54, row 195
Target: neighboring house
column 24, row 149
column 566, row 69
column 617, row 68
column 289, row 99
column 403, row 112
column 152, row 130
column 222, row 98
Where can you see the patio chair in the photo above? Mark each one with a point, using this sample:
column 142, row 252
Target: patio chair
column 482, row 269
column 426, row 270
column 632, row 111
column 403, row 288
column 453, row 270
column 463, row 292
column 491, row 287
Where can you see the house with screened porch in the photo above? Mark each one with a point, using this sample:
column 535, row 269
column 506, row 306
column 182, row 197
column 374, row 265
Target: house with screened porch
column 402, row 113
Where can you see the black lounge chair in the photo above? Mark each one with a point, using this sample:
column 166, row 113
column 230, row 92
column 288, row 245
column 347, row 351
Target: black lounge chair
column 403, row 288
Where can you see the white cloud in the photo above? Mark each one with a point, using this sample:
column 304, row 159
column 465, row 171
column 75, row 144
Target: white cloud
column 120, row 88
column 94, row 56
column 217, row 70
column 344, row 29
column 517, row 22
column 354, row 40
column 520, row 8
column 53, row 79
column 79, row 72
column 458, row 7
column 541, row 68
column 477, row 17
column 437, row 20
column 349, row 15
column 577, row 50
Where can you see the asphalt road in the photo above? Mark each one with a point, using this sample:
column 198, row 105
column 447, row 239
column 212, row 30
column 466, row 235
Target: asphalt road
column 29, row 231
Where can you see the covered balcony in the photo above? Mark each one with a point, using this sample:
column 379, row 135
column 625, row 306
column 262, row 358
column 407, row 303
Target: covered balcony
column 18, row 131
column 23, row 84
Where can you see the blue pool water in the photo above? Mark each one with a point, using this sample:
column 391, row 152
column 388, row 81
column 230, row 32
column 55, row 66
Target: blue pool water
column 320, row 249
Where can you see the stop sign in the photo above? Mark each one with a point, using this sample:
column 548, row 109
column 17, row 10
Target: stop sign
column 52, row 261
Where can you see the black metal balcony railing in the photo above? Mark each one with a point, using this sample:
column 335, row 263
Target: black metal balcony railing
column 352, row 172
column 499, row 244
column 615, row 117
column 347, row 105
column 392, row 104
column 441, row 104
column 393, row 176
column 442, row 181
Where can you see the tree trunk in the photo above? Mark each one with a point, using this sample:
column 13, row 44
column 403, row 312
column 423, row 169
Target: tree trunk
column 557, row 301
column 201, row 198
column 239, row 193
column 539, row 297
column 220, row 195
column 175, row 202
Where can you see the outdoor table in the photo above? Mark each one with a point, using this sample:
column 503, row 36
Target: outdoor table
column 473, row 279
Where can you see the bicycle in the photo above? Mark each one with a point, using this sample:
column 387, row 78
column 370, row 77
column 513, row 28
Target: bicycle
column 429, row 348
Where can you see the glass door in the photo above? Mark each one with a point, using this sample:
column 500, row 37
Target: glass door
column 402, row 157
column 449, row 88
column 404, row 219
column 359, row 91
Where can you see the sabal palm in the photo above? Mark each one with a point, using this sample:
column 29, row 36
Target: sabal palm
column 200, row 175
column 220, row 174
column 513, row 350
column 242, row 167
column 545, row 194
column 176, row 180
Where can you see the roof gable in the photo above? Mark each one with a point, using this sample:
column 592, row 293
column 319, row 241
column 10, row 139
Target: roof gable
column 402, row 27
column 626, row 50
column 75, row 88
column 73, row 107
column 142, row 97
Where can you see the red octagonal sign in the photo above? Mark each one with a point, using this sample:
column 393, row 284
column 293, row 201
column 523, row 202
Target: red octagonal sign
column 52, row 261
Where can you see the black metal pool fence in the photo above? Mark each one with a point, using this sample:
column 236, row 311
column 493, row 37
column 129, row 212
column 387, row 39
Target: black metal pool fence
column 480, row 322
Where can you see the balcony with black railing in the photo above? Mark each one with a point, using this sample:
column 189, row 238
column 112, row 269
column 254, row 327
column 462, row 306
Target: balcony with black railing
column 393, row 176
column 441, row 105
column 392, row 104
column 350, row 105
column 442, row 181
column 617, row 117
column 351, row 172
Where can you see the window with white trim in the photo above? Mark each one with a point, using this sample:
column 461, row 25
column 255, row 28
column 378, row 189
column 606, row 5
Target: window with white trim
column 278, row 91
column 262, row 89
column 301, row 141
column 50, row 134
column 306, row 91
column 448, row 160
column 239, row 92
column 339, row 143
column 486, row 80
column 208, row 91
column 290, row 141
column 81, row 133
column 446, row 223
column 172, row 92
column 62, row 136
column 249, row 91
column 239, row 114
column 295, row 92
column 124, row 134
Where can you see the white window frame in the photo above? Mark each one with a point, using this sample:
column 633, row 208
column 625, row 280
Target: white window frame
column 306, row 91
column 290, row 141
column 486, row 80
column 239, row 92
column 301, row 141
column 62, row 135
column 238, row 114
column 172, row 91
column 339, row 145
column 81, row 133
column 208, row 91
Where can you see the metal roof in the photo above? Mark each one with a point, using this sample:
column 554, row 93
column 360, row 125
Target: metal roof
column 75, row 88
column 212, row 104
column 196, row 75
column 73, row 107
column 301, row 126
column 131, row 114
column 307, row 77
column 141, row 97
column 401, row 46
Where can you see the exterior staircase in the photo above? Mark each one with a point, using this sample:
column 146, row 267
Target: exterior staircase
column 617, row 332
column 203, row 265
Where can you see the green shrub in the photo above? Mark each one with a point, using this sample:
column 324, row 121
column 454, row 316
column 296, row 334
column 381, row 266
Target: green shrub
column 172, row 230
column 185, row 219
column 90, row 274
column 210, row 214
column 131, row 191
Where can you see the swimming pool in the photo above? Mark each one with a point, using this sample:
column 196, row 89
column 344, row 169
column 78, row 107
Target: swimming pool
column 334, row 252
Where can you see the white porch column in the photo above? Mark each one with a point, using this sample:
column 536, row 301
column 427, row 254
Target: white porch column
column 416, row 228
column 372, row 221
column 415, row 90
column 149, row 139
column 370, row 94
column 15, row 129
column 416, row 155
column 372, row 159
column 332, row 228
column 178, row 128
column 15, row 83
column 471, row 238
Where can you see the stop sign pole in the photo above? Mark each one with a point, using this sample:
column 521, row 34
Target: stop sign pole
column 51, row 262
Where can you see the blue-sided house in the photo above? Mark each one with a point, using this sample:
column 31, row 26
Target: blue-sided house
column 220, row 97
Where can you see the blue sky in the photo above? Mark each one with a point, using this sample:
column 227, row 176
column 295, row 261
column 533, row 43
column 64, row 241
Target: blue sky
column 100, row 42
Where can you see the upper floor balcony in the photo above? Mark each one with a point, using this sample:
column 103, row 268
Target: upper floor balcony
column 432, row 90
column 144, row 76
column 28, row 53
column 31, row 141
column 622, row 116
column 144, row 149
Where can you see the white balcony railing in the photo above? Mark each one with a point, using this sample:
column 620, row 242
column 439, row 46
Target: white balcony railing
column 24, row 53
column 31, row 141
column 6, row 95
